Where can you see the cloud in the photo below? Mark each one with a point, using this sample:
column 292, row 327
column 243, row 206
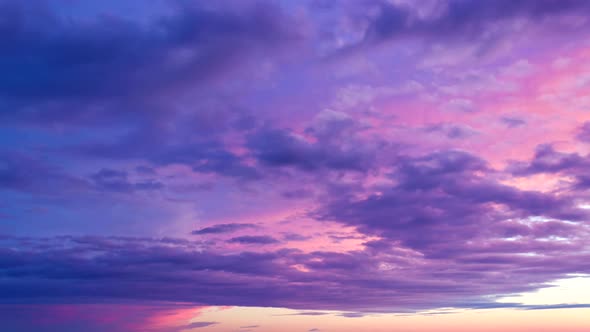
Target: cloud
column 352, row 314
column 253, row 239
column 512, row 122
column 203, row 152
column 200, row 93
column 122, row 77
column 54, row 57
column 452, row 131
column 583, row 133
column 549, row 161
column 310, row 313
column 445, row 195
column 129, row 317
column 279, row 148
column 443, row 211
column 117, row 181
column 196, row 325
column 295, row 237
column 223, row 228
column 460, row 19
column 67, row 269
column 24, row 173
column 460, row 105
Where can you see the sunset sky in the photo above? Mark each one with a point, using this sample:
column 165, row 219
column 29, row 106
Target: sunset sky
column 309, row 165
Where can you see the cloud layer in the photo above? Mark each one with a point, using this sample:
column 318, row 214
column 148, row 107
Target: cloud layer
column 360, row 156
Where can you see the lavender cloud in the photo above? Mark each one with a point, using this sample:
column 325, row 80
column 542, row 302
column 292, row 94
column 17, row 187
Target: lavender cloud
column 512, row 122
column 547, row 160
column 584, row 132
column 117, row 181
column 147, row 123
column 181, row 271
column 54, row 57
column 253, row 239
column 445, row 195
column 223, row 228
column 196, row 325
column 459, row 19
column 278, row 148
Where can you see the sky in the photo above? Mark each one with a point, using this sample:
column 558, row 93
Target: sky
column 313, row 165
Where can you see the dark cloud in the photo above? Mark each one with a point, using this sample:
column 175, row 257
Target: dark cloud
column 337, row 238
column 196, row 325
column 21, row 172
column 447, row 219
column 583, row 133
column 445, row 200
column 297, row 194
column 352, row 314
column 547, row 160
column 44, row 317
column 49, row 57
column 452, row 131
column 117, row 181
column 512, row 122
column 253, row 239
column 67, row 269
column 440, row 229
column 121, row 76
column 201, row 151
column 280, row 148
column 460, row 19
column 223, row 228
column 295, row 237
column 310, row 313
column 145, row 170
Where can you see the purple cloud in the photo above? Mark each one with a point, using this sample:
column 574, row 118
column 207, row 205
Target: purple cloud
column 451, row 131
column 196, row 325
column 117, row 181
column 279, row 148
column 312, row 144
column 55, row 57
column 223, row 228
column 512, row 122
column 445, row 195
column 115, row 268
column 253, row 239
column 584, row 132
column 549, row 161
column 465, row 20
